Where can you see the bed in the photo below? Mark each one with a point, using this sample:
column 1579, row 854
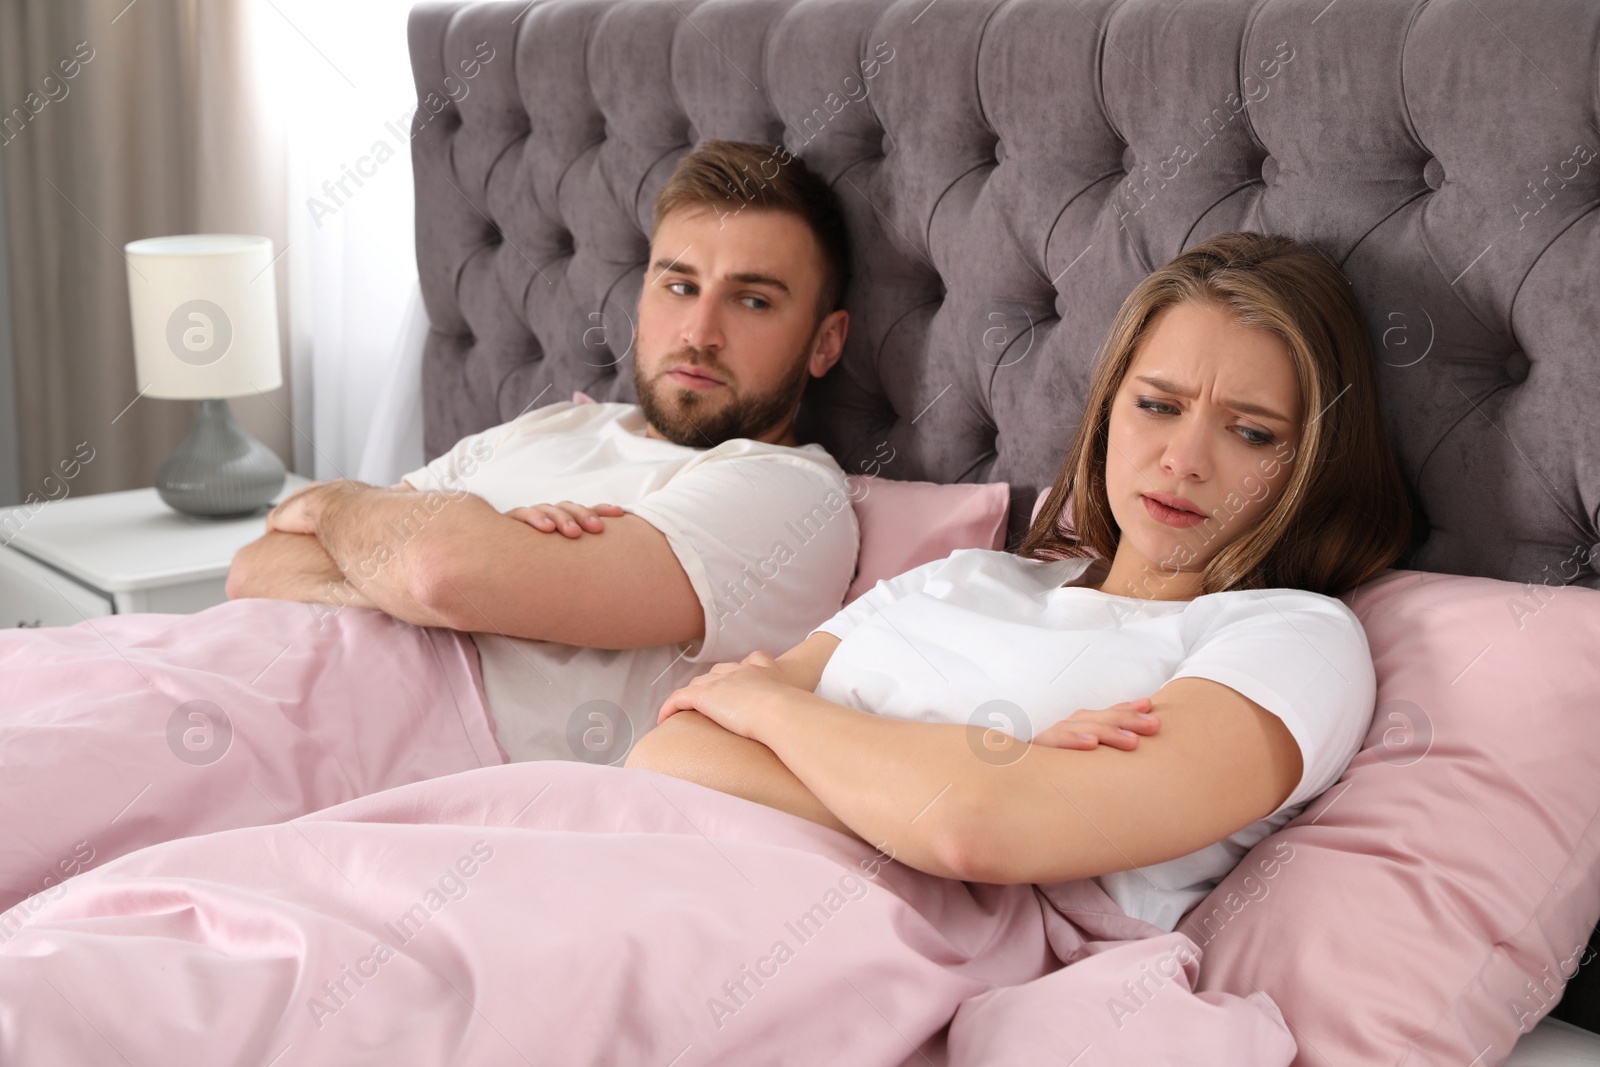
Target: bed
column 1010, row 168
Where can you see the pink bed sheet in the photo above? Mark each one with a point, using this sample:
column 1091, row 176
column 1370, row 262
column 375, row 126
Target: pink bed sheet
column 559, row 912
column 124, row 731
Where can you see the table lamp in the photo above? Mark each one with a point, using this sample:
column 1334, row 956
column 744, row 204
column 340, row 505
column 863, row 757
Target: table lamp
column 205, row 327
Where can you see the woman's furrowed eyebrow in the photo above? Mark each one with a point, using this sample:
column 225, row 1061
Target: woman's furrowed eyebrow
column 1242, row 406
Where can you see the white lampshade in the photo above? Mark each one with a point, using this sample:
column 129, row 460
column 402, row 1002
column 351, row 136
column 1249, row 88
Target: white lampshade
column 205, row 315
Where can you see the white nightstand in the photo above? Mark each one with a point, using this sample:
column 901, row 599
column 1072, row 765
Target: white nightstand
column 114, row 553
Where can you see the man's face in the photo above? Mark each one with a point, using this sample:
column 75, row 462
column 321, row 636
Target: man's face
column 727, row 332
column 1191, row 421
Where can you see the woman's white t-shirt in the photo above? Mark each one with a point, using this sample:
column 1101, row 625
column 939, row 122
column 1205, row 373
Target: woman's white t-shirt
column 987, row 637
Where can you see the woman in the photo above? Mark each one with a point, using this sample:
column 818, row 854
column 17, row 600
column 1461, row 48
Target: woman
column 1235, row 473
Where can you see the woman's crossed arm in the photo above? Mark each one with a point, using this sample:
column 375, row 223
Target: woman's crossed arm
column 947, row 799
column 690, row 746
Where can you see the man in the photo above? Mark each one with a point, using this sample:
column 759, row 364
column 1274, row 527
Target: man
column 692, row 529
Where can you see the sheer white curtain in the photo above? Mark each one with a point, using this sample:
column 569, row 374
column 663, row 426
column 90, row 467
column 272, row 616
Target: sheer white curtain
column 341, row 75
column 393, row 446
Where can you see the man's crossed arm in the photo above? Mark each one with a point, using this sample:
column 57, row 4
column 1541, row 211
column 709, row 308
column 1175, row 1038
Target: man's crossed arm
column 450, row 559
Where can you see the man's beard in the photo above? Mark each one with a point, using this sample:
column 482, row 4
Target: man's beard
column 693, row 421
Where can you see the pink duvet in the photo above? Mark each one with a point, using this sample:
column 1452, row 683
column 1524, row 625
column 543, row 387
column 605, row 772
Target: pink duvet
column 125, row 731
column 564, row 913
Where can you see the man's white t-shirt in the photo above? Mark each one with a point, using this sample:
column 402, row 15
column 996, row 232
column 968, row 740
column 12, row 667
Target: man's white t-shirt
column 766, row 534
column 984, row 637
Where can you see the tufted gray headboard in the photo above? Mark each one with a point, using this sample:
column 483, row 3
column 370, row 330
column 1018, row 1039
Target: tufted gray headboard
column 1010, row 169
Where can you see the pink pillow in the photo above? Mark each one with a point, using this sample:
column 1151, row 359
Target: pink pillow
column 1429, row 907
column 1038, row 506
column 906, row 524
column 1038, row 502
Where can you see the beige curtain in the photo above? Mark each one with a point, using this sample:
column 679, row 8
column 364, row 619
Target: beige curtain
column 123, row 120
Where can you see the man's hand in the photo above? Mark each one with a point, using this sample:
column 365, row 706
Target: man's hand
column 572, row 520
column 289, row 563
column 288, row 566
column 1118, row 726
column 292, row 514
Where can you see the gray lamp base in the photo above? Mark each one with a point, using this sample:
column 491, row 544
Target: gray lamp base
column 219, row 472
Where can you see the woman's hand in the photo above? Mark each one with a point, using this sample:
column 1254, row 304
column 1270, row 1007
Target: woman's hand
column 732, row 695
column 571, row 520
column 1118, row 726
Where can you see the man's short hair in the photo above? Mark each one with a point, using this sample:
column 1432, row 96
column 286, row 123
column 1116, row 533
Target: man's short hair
column 729, row 176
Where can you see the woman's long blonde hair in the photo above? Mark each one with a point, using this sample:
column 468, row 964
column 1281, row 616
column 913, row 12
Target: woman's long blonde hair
column 1343, row 514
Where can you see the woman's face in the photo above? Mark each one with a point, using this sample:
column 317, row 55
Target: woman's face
column 1208, row 419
